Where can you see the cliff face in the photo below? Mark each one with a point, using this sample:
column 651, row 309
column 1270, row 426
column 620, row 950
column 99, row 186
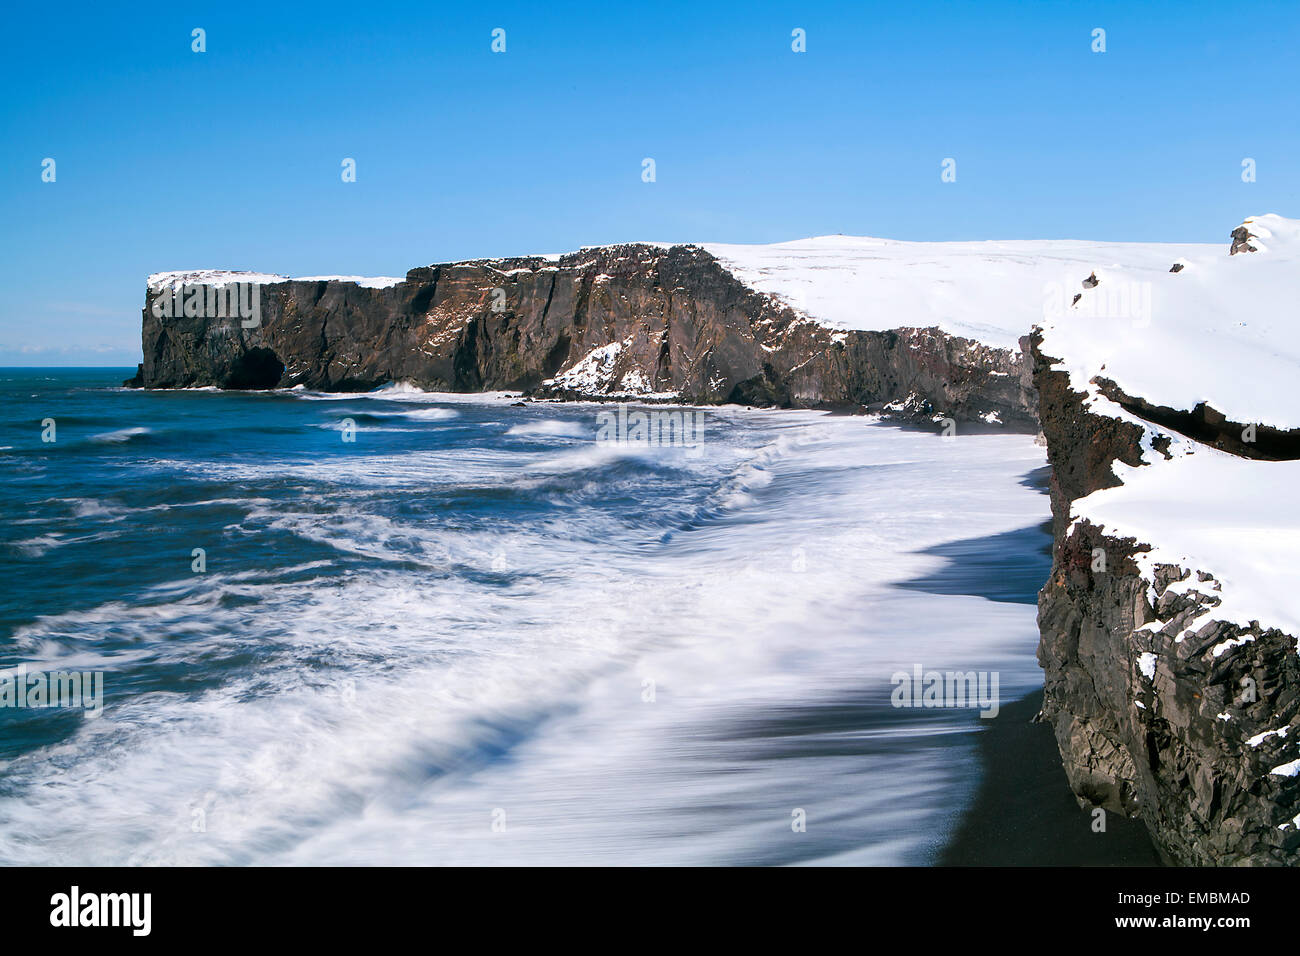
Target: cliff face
column 1171, row 747
column 1169, row 650
column 637, row 322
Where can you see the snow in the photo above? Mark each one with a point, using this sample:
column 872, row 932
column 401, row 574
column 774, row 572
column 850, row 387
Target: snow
column 1260, row 738
column 1225, row 330
column 366, row 282
column 1147, row 665
column 212, row 277
column 222, row 277
column 593, row 373
column 993, row 292
column 1206, row 510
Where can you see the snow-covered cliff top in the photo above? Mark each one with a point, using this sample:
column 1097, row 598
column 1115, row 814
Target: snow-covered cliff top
column 1206, row 510
column 993, row 292
column 1224, row 330
column 221, row 277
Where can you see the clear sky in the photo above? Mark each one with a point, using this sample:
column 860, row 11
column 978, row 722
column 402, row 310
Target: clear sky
column 231, row 158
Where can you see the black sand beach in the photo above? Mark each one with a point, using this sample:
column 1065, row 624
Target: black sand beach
column 1024, row 813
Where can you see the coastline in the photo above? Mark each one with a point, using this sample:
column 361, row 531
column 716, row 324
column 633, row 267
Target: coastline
column 1024, row 813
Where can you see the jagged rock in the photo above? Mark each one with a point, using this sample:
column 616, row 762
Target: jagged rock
column 1241, row 237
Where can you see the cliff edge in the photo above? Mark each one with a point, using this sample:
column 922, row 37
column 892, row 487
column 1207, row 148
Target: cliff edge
column 1168, row 630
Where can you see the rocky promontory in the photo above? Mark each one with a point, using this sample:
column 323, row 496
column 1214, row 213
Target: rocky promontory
column 631, row 322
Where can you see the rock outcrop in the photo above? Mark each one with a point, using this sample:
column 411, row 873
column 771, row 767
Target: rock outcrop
column 630, row 322
column 1172, row 698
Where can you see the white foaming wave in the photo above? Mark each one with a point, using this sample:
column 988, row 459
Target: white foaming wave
column 404, row 392
column 550, row 428
column 111, row 511
column 600, row 456
column 755, row 471
column 43, row 544
column 741, row 652
column 92, row 508
column 488, row 467
column 395, row 392
column 427, row 414
column 412, row 684
column 365, row 535
column 398, row 390
column 505, row 549
column 430, row 414
column 358, row 429
column 120, row 435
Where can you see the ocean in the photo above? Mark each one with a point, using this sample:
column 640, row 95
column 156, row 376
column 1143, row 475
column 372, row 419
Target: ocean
column 414, row 628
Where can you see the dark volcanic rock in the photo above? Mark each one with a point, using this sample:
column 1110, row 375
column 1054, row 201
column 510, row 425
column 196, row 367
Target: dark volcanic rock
column 618, row 322
column 1241, row 237
column 1171, row 748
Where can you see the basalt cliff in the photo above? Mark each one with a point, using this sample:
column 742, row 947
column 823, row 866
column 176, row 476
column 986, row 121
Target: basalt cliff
column 633, row 322
column 1168, row 630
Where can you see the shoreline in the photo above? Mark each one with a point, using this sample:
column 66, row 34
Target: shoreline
column 1024, row 813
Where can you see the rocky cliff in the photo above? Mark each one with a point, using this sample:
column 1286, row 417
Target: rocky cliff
column 630, row 322
column 1167, row 636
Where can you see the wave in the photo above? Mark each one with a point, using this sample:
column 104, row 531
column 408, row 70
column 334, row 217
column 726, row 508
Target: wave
column 550, row 429
column 403, row 392
column 121, row 435
column 427, row 414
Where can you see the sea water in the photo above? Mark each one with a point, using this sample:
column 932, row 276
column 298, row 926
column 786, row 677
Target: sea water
column 414, row 628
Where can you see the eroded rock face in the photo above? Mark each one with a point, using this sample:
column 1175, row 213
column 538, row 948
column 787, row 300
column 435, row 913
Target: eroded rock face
column 631, row 322
column 1151, row 718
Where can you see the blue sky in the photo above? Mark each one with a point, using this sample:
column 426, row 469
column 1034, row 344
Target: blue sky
column 171, row 159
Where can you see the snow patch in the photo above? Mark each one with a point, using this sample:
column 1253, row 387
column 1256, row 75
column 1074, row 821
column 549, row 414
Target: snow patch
column 1147, row 665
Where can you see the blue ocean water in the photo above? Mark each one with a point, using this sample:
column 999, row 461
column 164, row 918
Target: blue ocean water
column 475, row 635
